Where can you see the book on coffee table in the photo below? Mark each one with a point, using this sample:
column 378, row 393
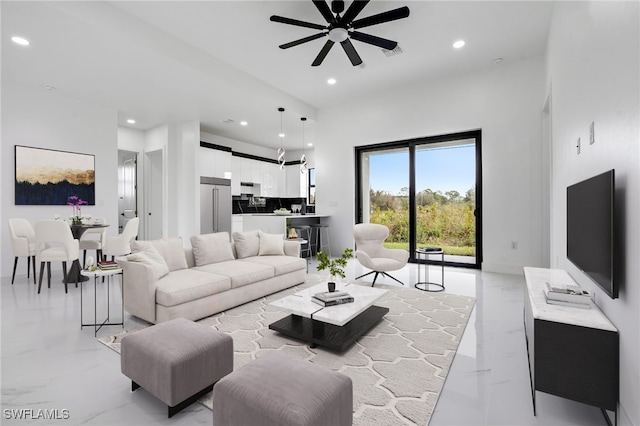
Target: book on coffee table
column 333, row 302
column 329, row 298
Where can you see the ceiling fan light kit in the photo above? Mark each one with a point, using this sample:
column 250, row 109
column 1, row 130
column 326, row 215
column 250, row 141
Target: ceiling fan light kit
column 303, row 158
column 341, row 29
column 281, row 150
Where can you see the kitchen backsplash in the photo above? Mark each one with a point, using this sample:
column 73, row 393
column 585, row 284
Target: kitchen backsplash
column 266, row 204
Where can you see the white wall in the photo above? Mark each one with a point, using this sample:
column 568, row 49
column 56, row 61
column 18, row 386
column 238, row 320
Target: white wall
column 504, row 101
column 594, row 69
column 46, row 119
column 187, row 177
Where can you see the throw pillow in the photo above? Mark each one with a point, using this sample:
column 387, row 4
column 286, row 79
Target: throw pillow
column 150, row 256
column 271, row 244
column 211, row 248
column 247, row 243
column 171, row 249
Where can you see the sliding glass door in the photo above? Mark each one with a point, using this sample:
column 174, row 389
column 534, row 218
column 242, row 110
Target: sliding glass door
column 446, row 199
column 426, row 191
column 386, row 198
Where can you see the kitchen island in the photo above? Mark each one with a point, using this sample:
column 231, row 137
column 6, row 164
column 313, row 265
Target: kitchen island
column 278, row 224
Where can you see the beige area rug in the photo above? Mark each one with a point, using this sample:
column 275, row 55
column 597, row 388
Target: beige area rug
column 398, row 368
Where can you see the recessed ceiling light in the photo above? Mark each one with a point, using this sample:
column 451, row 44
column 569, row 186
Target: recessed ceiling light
column 331, row 81
column 281, row 135
column 243, row 123
column 498, row 60
column 49, row 87
column 458, row 44
column 309, row 144
column 131, row 121
column 20, row 40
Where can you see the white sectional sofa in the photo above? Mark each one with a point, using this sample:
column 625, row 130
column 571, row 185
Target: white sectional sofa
column 163, row 280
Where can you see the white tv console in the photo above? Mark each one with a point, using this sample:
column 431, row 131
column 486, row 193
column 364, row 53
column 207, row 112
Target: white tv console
column 573, row 352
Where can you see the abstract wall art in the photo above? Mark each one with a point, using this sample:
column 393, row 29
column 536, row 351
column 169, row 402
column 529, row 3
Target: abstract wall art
column 50, row 177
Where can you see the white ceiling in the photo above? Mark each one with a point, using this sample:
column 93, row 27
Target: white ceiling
column 174, row 61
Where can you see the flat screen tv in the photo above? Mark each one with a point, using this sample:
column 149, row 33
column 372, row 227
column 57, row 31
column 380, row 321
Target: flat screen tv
column 590, row 229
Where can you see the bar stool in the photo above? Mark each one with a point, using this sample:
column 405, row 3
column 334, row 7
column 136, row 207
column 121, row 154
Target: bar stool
column 304, row 232
column 321, row 234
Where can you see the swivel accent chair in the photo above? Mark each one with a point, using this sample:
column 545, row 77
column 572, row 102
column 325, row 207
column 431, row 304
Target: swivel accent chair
column 371, row 253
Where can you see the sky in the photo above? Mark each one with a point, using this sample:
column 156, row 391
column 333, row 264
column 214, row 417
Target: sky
column 440, row 169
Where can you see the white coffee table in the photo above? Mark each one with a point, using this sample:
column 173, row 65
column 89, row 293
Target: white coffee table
column 335, row 327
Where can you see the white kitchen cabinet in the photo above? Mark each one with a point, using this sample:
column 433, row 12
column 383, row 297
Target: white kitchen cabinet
column 256, row 171
column 237, row 223
column 296, row 182
column 236, row 175
column 275, row 178
column 223, row 163
column 245, row 165
column 213, row 162
column 282, row 181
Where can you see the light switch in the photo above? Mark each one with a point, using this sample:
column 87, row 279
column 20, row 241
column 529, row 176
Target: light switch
column 578, row 146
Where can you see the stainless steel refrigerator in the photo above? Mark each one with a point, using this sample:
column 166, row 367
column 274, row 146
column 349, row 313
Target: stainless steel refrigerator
column 215, row 205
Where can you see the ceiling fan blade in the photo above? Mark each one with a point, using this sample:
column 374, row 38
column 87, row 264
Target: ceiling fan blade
column 302, row 40
column 297, row 23
column 351, row 52
column 380, row 18
column 371, row 39
column 323, row 7
column 353, row 11
column 323, row 53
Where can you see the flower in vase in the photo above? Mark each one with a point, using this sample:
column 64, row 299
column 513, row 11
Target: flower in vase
column 76, row 202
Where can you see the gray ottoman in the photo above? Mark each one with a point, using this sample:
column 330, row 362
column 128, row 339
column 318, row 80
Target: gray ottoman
column 177, row 361
column 277, row 390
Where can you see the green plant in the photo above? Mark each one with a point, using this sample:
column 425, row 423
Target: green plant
column 335, row 266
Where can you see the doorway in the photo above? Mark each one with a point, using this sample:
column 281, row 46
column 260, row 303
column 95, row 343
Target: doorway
column 427, row 191
column 127, row 187
column 154, row 190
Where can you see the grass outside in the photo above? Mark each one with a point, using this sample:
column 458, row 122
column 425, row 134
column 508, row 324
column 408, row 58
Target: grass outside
column 451, row 250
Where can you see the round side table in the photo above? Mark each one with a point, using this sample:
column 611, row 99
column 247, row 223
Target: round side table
column 424, row 253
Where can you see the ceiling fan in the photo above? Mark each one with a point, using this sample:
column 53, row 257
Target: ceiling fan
column 341, row 29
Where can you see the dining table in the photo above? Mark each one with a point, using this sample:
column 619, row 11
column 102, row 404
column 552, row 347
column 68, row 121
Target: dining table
column 77, row 230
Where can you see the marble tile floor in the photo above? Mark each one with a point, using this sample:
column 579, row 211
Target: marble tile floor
column 48, row 363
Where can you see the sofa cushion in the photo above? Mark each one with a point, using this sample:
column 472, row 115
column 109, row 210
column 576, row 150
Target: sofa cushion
column 271, row 244
column 171, row 249
column 186, row 285
column 150, row 256
column 241, row 273
column 247, row 244
column 281, row 264
column 211, row 248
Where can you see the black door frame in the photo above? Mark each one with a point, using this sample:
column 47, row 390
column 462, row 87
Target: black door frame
column 411, row 145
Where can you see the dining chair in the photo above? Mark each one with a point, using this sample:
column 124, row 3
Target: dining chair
column 93, row 239
column 120, row 244
column 23, row 243
column 372, row 254
column 55, row 243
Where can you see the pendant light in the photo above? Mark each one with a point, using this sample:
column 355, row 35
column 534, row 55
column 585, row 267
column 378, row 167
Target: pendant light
column 303, row 159
column 281, row 150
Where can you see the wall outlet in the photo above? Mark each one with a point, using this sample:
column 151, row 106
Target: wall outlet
column 592, row 135
column 514, row 245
